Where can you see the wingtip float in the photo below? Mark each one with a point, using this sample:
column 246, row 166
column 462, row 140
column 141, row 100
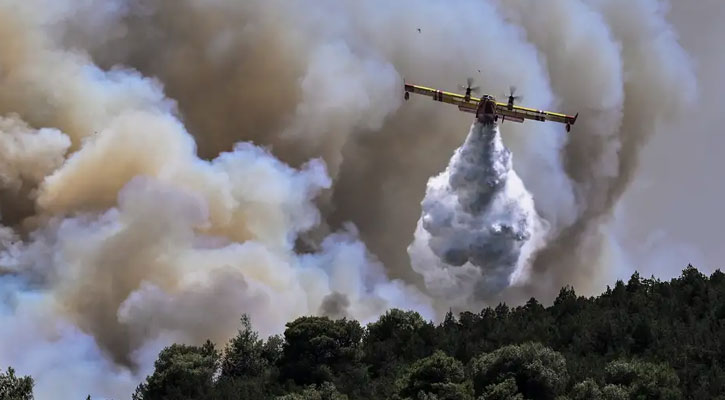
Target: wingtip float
column 487, row 109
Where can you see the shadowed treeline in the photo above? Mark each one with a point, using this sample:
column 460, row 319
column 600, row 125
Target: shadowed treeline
column 641, row 339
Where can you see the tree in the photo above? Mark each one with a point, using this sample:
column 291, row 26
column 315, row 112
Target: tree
column 615, row 392
column 642, row 337
column 248, row 367
column 318, row 350
column 272, row 349
column 181, row 373
column 243, row 354
column 398, row 337
column 391, row 344
column 644, row 380
column 15, row 388
column 506, row 390
column 635, row 282
column 439, row 375
column 326, row 391
column 586, row 390
column 539, row 372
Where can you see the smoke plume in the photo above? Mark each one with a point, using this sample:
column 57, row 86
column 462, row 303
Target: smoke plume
column 479, row 225
column 167, row 165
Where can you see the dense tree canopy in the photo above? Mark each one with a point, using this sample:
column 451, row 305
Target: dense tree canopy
column 15, row 388
column 534, row 370
column 181, row 372
column 318, row 350
column 643, row 339
column 438, row 376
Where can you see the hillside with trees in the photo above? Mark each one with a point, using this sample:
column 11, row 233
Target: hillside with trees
column 641, row 339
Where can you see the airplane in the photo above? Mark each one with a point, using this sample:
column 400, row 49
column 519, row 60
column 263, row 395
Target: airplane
column 487, row 109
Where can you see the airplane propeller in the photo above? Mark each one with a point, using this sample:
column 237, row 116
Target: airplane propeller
column 474, row 89
column 512, row 90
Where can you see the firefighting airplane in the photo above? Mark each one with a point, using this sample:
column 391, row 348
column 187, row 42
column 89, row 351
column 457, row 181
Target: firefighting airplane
column 487, row 109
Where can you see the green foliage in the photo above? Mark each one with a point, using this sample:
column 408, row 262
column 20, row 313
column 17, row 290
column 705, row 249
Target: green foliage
column 397, row 337
column 538, row 371
column 325, row 391
column 680, row 323
column 249, row 388
column 15, row 388
column 644, row 380
column 504, row 390
column 615, row 392
column 243, row 355
column 439, row 375
column 318, row 350
column 391, row 344
column 586, row 390
column 181, row 372
column 248, row 368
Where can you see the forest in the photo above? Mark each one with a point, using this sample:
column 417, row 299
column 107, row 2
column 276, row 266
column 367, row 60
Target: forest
column 640, row 339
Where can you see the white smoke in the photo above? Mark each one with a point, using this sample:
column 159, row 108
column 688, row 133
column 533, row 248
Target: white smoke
column 28, row 155
column 127, row 241
column 479, row 225
column 187, row 248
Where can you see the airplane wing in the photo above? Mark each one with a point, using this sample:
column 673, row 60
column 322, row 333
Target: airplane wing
column 468, row 105
column 520, row 113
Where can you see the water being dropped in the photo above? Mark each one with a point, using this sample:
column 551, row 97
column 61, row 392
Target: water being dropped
column 478, row 221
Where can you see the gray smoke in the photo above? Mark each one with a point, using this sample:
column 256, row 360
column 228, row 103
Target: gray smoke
column 335, row 305
column 671, row 216
column 478, row 221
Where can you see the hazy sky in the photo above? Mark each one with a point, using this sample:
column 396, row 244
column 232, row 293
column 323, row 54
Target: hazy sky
column 672, row 214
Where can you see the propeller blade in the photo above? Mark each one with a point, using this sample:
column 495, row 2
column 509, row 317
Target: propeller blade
column 470, row 81
column 475, row 89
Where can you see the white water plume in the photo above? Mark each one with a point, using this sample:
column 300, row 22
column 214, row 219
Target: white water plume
column 479, row 225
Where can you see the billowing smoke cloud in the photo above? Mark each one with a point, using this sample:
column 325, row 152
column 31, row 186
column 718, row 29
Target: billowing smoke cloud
column 479, row 225
column 636, row 78
column 129, row 240
column 27, row 156
column 133, row 216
